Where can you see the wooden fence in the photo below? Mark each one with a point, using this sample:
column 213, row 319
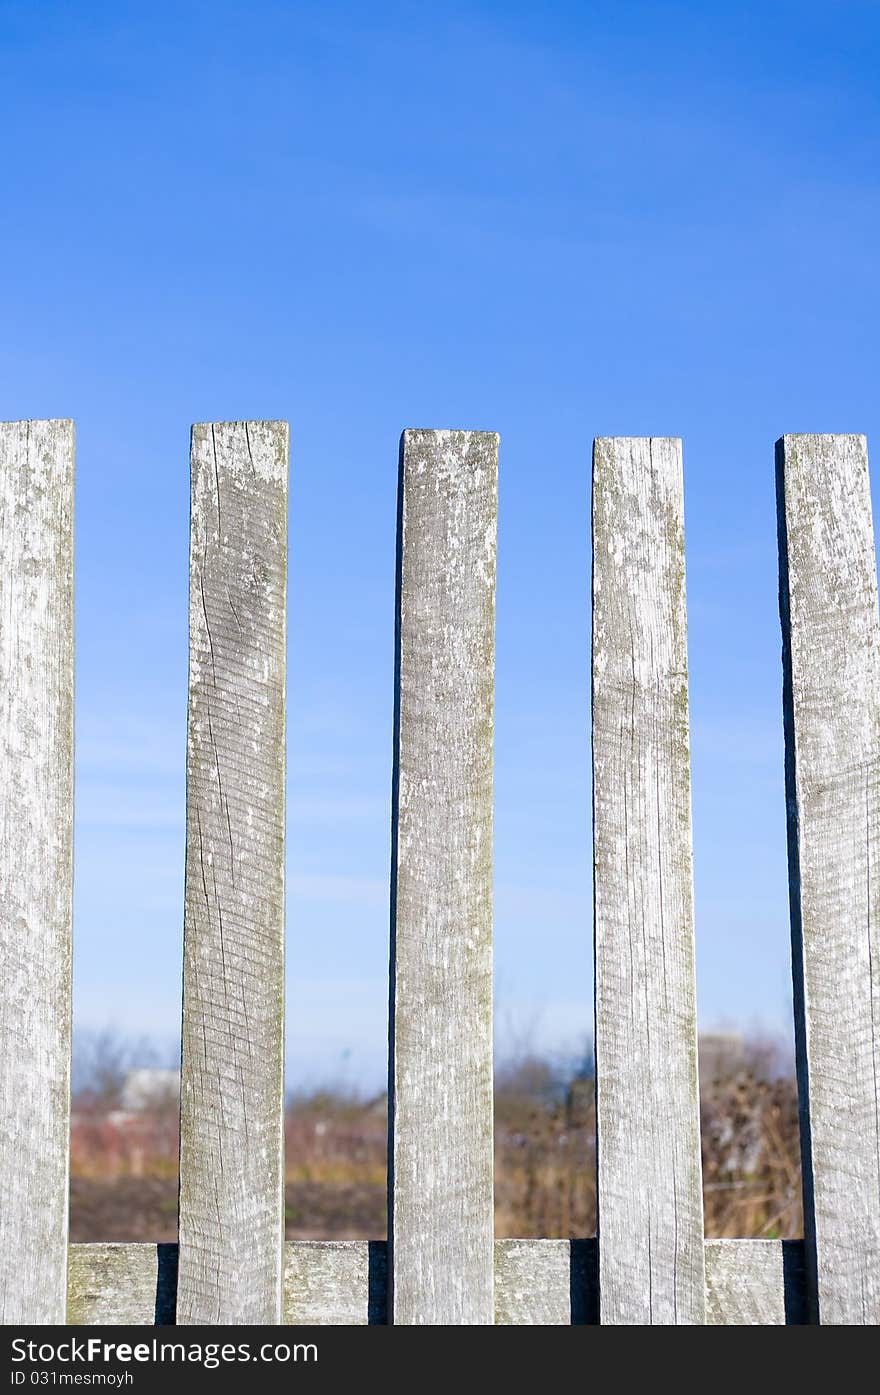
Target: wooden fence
column 650, row 1262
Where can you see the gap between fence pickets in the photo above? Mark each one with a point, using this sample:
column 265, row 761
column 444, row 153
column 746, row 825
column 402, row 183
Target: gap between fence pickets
column 537, row 1283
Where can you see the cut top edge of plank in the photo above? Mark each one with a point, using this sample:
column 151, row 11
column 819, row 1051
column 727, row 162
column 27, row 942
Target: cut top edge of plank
column 711, row 1242
column 274, row 422
column 627, row 440
column 799, row 436
column 413, row 433
column 754, row 1242
column 40, row 421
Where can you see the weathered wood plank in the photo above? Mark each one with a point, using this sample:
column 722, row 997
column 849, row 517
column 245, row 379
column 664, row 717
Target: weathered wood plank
column 755, row 1282
column 541, row 1283
column 831, row 657
column 335, row 1282
column 537, row 1282
column 651, row 1267
column 440, row 1118
column 122, row 1285
column 36, row 863
column 231, row 1153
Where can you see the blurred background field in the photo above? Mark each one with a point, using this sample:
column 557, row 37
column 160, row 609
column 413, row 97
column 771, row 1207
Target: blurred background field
column 124, row 1143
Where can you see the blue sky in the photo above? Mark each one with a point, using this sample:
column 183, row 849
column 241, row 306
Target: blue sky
column 554, row 222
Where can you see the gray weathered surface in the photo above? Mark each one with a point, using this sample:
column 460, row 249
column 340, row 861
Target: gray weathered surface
column 533, row 1282
column 537, row 1282
column 335, row 1282
column 440, row 1122
column 755, row 1282
column 831, row 655
column 121, row 1284
column 36, row 863
column 651, row 1267
column 231, row 1154
column 541, row 1283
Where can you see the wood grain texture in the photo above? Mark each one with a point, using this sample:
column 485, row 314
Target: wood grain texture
column 537, row 1282
column 651, row 1267
column 755, row 1282
column 831, row 659
column 440, row 1088
column 335, row 1282
column 122, row 1285
column 36, row 863
column 546, row 1283
column 232, row 1089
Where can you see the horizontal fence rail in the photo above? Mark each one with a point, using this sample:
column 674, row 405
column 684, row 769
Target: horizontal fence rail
column 650, row 1262
column 537, row 1282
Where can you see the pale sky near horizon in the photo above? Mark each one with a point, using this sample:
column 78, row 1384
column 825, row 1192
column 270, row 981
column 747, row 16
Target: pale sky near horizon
column 555, row 222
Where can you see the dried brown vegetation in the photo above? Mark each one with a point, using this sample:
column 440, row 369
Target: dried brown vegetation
column 124, row 1162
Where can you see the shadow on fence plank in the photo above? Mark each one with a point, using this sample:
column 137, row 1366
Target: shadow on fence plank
column 794, row 1283
column 377, row 1302
column 166, row 1285
column 583, row 1271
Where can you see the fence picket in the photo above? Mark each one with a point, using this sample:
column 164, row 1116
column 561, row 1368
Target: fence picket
column 831, row 657
column 36, row 863
column 651, row 1253
column 440, row 1088
column 232, row 1089
column 441, row 1266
